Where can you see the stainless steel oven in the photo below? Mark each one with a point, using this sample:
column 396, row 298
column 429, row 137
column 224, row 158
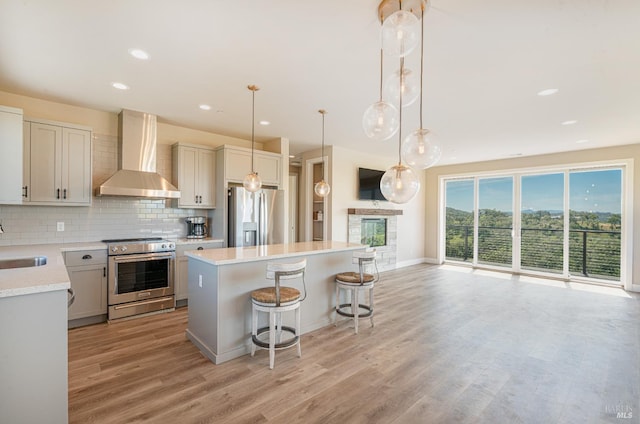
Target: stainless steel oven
column 140, row 276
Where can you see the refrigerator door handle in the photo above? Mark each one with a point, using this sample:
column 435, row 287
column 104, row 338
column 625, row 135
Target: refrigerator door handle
column 262, row 220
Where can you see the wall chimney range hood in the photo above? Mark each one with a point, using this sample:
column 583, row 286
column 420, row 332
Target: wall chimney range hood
column 136, row 175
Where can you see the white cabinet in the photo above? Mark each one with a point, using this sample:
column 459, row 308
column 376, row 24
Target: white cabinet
column 10, row 155
column 182, row 262
column 57, row 164
column 88, row 275
column 194, row 174
column 237, row 162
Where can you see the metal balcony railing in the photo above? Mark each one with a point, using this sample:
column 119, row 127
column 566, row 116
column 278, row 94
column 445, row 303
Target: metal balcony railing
column 592, row 253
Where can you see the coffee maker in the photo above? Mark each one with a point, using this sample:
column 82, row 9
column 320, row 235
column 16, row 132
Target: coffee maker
column 196, row 226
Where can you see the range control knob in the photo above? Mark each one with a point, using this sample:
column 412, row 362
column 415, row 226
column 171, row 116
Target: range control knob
column 114, row 249
column 172, row 246
column 123, row 248
column 164, row 246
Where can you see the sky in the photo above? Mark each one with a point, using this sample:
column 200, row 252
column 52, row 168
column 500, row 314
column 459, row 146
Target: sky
column 590, row 191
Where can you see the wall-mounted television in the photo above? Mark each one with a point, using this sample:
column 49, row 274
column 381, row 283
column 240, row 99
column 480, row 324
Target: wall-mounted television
column 369, row 184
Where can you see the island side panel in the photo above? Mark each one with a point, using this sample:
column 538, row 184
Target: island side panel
column 202, row 328
column 33, row 358
column 238, row 280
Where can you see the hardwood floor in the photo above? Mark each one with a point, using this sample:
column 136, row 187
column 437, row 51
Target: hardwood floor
column 448, row 346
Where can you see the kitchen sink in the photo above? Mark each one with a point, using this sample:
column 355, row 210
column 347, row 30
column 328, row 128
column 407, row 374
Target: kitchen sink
column 23, row 262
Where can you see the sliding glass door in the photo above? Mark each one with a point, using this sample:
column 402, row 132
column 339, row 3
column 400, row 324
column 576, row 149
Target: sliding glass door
column 459, row 206
column 542, row 222
column 566, row 222
column 596, row 223
column 495, row 221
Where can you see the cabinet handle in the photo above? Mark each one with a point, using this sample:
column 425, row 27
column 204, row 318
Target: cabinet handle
column 72, row 298
column 87, row 257
column 200, row 199
column 104, row 271
column 25, row 191
column 200, row 248
column 64, row 195
column 57, row 193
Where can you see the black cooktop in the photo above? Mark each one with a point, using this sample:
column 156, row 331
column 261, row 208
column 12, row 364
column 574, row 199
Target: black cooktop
column 130, row 240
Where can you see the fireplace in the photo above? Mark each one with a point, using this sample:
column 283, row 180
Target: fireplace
column 373, row 231
column 377, row 228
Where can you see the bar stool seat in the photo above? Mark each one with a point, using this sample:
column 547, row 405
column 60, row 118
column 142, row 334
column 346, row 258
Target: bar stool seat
column 275, row 301
column 353, row 283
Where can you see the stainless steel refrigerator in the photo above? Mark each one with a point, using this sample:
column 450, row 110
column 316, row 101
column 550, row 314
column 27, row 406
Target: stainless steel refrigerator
column 255, row 218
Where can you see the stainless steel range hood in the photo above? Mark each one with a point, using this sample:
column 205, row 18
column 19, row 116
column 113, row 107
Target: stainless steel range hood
column 137, row 176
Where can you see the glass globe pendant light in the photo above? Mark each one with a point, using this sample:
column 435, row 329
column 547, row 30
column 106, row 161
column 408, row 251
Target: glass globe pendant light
column 420, row 150
column 400, row 33
column 380, row 120
column 252, row 181
column 399, row 184
column 322, row 188
column 410, row 87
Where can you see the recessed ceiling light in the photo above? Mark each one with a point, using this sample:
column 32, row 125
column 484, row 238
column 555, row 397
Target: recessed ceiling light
column 582, row 141
column 548, row 92
column 119, row 86
column 264, row 122
column 205, row 107
column 292, row 156
column 570, row 122
column 139, row 54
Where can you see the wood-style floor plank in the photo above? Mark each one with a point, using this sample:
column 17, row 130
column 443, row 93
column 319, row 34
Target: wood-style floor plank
column 449, row 345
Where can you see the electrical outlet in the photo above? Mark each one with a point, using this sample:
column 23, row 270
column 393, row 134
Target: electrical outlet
column 200, row 281
column 60, row 226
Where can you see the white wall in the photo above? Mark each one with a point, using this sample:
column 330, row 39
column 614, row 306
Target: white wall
column 344, row 195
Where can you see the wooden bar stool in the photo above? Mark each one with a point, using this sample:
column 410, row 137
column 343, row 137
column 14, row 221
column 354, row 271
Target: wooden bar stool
column 353, row 282
column 275, row 300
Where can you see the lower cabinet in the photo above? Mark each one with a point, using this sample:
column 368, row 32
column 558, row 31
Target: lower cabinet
column 88, row 275
column 182, row 268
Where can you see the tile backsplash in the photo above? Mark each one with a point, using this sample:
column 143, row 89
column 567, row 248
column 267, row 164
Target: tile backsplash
column 106, row 218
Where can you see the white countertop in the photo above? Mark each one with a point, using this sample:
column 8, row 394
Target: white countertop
column 234, row 255
column 37, row 279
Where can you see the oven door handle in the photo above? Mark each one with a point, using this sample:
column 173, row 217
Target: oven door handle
column 143, row 257
column 146, row 302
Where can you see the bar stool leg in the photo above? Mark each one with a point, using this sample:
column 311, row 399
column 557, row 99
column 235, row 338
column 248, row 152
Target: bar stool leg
column 354, row 307
column 272, row 338
column 335, row 318
column 371, row 304
column 254, row 328
column 298, row 331
column 279, row 327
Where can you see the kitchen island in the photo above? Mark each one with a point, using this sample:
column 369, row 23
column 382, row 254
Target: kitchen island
column 221, row 280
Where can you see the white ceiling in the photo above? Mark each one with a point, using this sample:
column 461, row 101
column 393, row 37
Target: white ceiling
column 484, row 63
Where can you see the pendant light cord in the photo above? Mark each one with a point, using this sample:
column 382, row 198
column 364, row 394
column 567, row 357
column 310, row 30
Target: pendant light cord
column 253, row 120
column 322, row 112
column 400, row 112
column 381, row 55
column 421, row 59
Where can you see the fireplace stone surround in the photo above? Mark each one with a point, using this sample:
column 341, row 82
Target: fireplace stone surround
column 386, row 255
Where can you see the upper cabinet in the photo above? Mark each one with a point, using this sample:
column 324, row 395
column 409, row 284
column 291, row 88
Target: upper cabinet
column 237, row 163
column 10, row 155
column 57, row 164
column 194, row 174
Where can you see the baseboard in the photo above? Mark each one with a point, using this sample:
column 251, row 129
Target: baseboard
column 417, row 262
